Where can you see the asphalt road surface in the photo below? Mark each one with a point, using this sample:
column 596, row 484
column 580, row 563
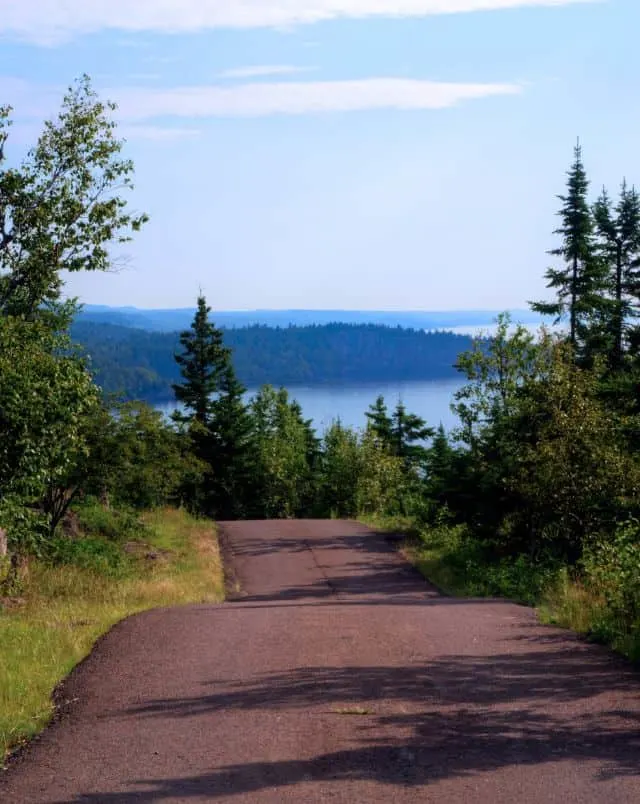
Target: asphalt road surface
column 337, row 675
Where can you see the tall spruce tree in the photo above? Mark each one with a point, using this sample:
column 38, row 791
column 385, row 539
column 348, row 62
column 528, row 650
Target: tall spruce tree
column 231, row 452
column 579, row 284
column 618, row 243
column 202, row 363
column 218, row 420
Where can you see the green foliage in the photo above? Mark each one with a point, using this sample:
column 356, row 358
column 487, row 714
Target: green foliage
column 618, row 247
column 61, row 208
column 201, row 362
column 440, row 467
column 401, row 434
column 460, row 564
column 612, row 571
column 580, row 283
column 148, row 463
column 216, row 420
column 285, row 456
column 379, row 423
column 338, row 494
column 408, row 434
column 102, row 557
column 26, row 527
column 45, row 395
column 231, row 450
column 496, row 372
column 375, row 473
column 383, row 484
column 573, row 476
column 112, row 524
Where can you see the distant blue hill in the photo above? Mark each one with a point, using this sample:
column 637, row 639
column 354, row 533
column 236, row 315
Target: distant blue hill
column 172, row 320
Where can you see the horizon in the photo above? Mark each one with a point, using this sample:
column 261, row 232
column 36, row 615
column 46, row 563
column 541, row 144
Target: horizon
column 407, row 311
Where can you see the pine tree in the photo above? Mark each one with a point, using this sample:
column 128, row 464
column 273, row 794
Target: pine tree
column 407, row 433
column 202, row 362
column 580, row 283
column 219, row 425
column 618, row 231
column 379, row 423
column 440, row 465
column 231, row 448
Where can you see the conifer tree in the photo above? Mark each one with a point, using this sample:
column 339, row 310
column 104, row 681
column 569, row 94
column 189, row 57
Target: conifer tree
column 407, row 433
column 202, row 363
column 231, row 452
column 219, row 424
column 579, row 284
column 618, row 231
column 440, row 465
column 379, row 422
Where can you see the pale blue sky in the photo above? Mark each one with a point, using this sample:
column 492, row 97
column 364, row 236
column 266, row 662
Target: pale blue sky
column 361, row 161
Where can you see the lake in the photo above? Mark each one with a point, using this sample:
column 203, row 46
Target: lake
column 429, row 399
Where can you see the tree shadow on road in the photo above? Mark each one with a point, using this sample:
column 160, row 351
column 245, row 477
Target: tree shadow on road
column 545, row 698
column 451, row 718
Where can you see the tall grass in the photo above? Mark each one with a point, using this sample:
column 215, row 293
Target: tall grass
column 65, row 607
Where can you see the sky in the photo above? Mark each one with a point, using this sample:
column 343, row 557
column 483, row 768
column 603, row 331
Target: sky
column 354, row 154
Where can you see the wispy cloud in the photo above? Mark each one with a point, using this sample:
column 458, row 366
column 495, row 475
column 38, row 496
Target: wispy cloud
column 50, row 21
column 146, row 111
column 295, row 98
column 262, row 71
column 157, row 133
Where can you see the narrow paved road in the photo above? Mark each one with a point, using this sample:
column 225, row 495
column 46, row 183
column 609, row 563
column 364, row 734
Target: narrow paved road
column 337, row 675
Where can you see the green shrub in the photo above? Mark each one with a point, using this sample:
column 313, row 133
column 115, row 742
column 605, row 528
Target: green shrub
column 114, row 524
column 451, row 557
column 612, row 572
column 94, row 554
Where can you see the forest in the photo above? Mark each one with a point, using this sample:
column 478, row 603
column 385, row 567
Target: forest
column 535, row 495
column 137, row 364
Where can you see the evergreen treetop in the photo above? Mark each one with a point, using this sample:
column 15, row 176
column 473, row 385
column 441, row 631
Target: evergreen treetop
column 202, row 364
column 579, row 283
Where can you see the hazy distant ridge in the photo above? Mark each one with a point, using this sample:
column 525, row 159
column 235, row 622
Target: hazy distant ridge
column 179, row 319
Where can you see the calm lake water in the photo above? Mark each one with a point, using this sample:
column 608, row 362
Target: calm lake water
column 429, row 399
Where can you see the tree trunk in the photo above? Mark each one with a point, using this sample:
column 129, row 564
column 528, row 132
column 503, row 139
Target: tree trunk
column 618, row 323
column 574, row 299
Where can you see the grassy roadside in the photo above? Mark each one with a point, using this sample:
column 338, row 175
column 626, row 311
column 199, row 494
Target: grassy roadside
column 448, row 557
column 64, row 608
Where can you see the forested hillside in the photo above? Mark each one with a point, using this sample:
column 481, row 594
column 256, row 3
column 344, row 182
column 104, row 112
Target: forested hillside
column 137, row 364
